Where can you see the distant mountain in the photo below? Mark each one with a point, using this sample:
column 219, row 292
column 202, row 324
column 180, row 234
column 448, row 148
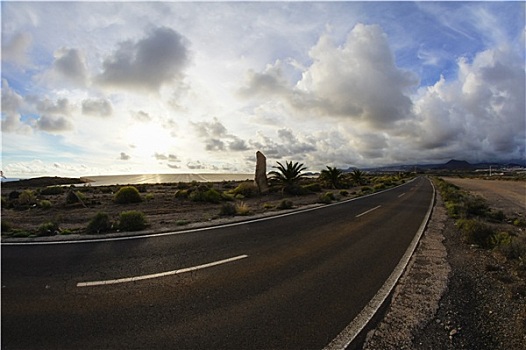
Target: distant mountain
column 452, row 165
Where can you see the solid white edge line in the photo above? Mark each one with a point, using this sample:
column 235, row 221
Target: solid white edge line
column 171, row 233
column 161, row 274
column 352, row 330
column 368, row 211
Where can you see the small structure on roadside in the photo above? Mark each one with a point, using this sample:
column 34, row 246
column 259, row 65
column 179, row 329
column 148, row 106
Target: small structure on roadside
column 261, row 173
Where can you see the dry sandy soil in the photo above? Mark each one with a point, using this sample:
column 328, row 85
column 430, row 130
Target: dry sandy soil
column 457, row 296
column 162, row 209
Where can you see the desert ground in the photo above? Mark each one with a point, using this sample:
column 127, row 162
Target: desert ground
column 458, row 296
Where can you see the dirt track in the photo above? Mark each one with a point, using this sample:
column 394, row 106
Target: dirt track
column 508, row 196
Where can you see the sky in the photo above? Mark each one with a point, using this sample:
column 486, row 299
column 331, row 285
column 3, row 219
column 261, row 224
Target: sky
column 107, row 88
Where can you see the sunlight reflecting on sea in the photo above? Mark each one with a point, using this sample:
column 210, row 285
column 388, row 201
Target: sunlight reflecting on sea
column 107, row 180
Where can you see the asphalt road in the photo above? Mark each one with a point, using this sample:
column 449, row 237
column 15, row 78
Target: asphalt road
column 295, row 282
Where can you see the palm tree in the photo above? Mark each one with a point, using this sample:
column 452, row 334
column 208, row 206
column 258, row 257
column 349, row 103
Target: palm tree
column 288, row 175
column 358, row 176
column 332, row 175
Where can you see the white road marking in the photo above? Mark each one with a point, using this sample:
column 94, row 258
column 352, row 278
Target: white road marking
column 161, row 274
column 368, row 211
column 401, row 195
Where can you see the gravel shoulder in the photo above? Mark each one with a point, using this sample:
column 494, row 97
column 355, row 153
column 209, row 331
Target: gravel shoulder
column 457, row 296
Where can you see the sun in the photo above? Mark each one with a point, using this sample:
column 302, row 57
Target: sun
column 148, row 139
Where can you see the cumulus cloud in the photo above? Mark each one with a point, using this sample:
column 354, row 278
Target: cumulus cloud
column 480, row 115
column 70, row 64
column 148, row 63
column 11, row 104
column 124, row 156
column 16, row 49
column 286, row 144
column 47, row 106
column 97, row 107
column 53, row 124
column 217, row 138
column 358, row 80
column 142, row 116
column 171, row 159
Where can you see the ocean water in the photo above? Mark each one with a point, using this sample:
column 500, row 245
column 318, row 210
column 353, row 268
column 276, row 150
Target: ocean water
column 108, row 180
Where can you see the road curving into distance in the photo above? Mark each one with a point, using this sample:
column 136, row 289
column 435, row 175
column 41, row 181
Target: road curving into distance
column 294, row 282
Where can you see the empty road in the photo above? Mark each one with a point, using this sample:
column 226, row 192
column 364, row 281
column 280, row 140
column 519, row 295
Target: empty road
column 291, row 282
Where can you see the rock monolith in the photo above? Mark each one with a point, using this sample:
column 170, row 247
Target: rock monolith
column 261, row 172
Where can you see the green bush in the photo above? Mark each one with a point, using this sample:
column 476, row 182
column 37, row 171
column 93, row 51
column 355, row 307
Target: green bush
column 285, row 204
column 344, row 193
column 516, row 249
column 209, row 195
column 48, row 229
column 53, row 190
column 6, row 226
column 132, row 220
column 75, row 197
column 476, row 232
column 127, row 194
column 366, row 189
column 182, row 194
column 27, row 197
column 246, row 189
column 227, row 209
column 326, row 198
column 44, row 204
column 100, row 223
column 313, row 187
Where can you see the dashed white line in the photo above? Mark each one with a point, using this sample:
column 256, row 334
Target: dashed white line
column 368, row 211
column 161, row 274
column 401, row 195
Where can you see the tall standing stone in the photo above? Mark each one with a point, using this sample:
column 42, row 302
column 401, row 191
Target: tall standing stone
column 261, row 172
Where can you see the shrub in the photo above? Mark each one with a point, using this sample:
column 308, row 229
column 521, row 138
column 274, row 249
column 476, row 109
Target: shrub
column 6, row 226
column 132, row 220
column 227, row 209
column 379, row 186
column 44, row 204
column 209, row 195
column 313, row 187
column 48, row 229
column 53, row 190
column 344, row 193
column 476, row 232
column 242, row 208
column 475, row 206
column 182, row 194
column 100, row 223
column 14, row 195
column 268, row 206
column 246, row 189
column 75, row 197
column 326, row 198
column 516, row 249
column 27, row 197
column 499, row 239
column 127, row 194
column 285, row 204
column 498, row 216
column 366, row 189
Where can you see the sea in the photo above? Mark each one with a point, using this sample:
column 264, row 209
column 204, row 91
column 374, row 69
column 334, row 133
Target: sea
column 109, row 180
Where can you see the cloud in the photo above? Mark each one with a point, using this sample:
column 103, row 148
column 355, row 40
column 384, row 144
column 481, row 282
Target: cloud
column 47, row 106
column 97, row 107
column 169, row 157
column 147, row 64
column 142, row 116
column 16, row 50
column 124, row 156
column 53, row 124
column 11, row 104
column 70, row 64
column 358, row 80
column 217, row 138
column 480, row 114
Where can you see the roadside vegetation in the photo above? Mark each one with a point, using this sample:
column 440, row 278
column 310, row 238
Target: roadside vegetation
column 481, row 225
column 59, row 210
